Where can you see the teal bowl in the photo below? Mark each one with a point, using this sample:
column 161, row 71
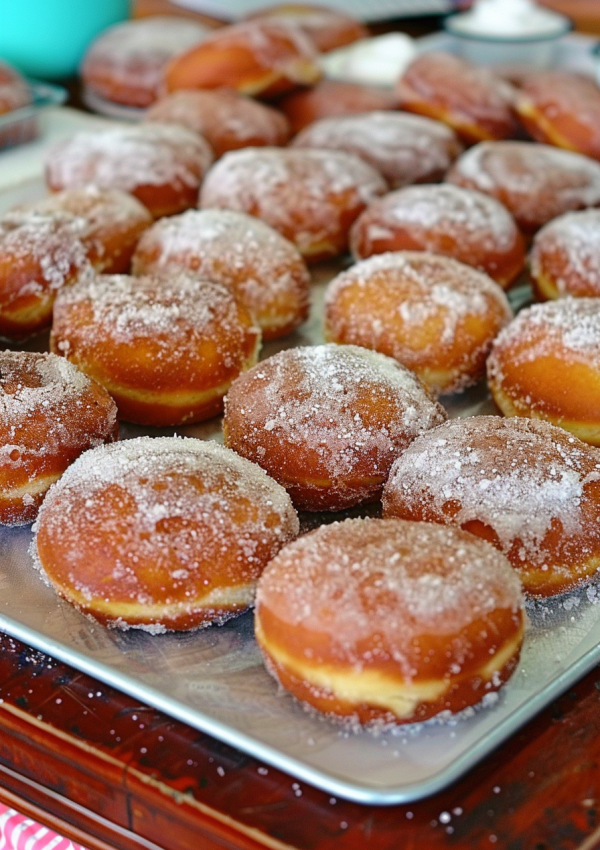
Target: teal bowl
column 47, row 38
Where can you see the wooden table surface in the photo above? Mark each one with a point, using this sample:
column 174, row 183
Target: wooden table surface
column 106, row 771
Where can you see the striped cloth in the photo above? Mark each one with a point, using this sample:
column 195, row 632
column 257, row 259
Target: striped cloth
column 20, row 833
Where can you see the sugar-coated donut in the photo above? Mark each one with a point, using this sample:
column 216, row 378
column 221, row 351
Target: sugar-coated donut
column 166, row 349
column 546, row 365
column 226, row 119
column 389, row 622
column 469, row 226
column 528, row 487
column 535, row 182
column 327, row 28
column 311, row 197
column 327, row 421
column 161, row 164
column 433, row 314
column 39, row 253
column 126, row 62
column 404, row 148
column 114, row 221
column 161, row 533
column 263, row 57
column 50, row 413
column 265, row 269
column 333, row 97
column 565, row 257
column 472, row 100
column 561, row 108
column 14, row 90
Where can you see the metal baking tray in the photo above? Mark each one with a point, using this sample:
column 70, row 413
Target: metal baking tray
column 214, row 679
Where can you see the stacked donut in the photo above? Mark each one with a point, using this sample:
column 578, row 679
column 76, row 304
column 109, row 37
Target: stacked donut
column 171, row 249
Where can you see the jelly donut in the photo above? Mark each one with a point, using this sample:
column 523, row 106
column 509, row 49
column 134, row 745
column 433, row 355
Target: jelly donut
column 433, row 314
column 528, row 487
column 388, row 622
column 565, row 257
column 126, row 63
column 50, row 413
column 546, row 365
column 266, row 270
column 333, row 97
column 39, row 253
column 226, row 119
column 469, row 226
column 403, row 148
column 535, row 182
column 161, row 164
column 561, row 108
column 166, row 349
column 114, row 221
column 260, row 57
column 327, row 421
column 470, row 99
column 327, row 28
column 161, row 533
column 14, row 90
column 311, row 197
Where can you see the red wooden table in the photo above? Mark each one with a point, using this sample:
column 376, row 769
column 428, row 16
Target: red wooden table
column 106, row 771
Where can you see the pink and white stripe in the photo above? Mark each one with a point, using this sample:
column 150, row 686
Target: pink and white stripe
column 20, row 833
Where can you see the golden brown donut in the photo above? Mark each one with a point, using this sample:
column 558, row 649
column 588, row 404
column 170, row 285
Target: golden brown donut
column 404, row 148
column 14, row 90
column 50, row 413
column 472, row 100
column 333, row 97
column 327, row 28
column 259, row 57
column 161, row 164
column 311, row 197
column 166, row 349
column 114, row 221
column 546, row 365
column 433, row 314
column 39, row 253
column 469, row 226
column 385, row 621
column 126, row 62
column 528, row 487
column 535, row 182
column 561, row 108
column 226, row 119
column 565, row 257
column 327, row 421
column 242, row 251
column 161, row 533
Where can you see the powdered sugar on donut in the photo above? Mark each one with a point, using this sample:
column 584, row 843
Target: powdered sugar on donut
column 567, row 250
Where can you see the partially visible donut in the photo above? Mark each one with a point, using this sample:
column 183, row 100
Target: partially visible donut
column 311, row 197
column 528, row 487
column 161, row 164
column 389, row 622
column 242, row 251
column 114, row 221
column 14, row 90
column 226, row 119
column 126, row 62
column 535, row 182
column 433, row 314
column 472, row 100
column 404, row 148
column 260, row 57
column 161, row 533
column 565, row 257
column 166, row 349
column 546, row 365
column 50, row 413
column 327, row 28
column 327, row 421
column 469, row 226
column 333, row 97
